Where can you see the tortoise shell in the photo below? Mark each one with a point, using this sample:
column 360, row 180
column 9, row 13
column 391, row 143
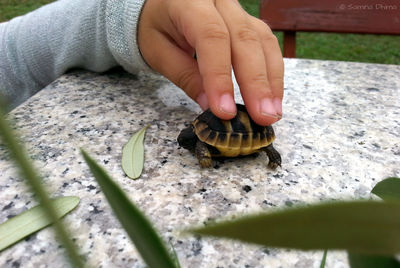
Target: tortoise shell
column 238, row 136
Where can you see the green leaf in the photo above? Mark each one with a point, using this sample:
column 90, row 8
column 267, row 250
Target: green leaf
column 133, row 155
column 388, row 189
column 323, row 261
column 27, row 171
column 33, row 220
column 138, row 227
column 175, row 256
column 358, row 226
column 370, row 261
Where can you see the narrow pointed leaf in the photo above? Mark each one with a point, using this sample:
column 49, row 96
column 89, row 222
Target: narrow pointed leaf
column 133, row 155
column 138, row 227
column 31, row 176
column 175, row 256
column 323, row 261
column 371, row 261
column 33, row 220
column 358, row 226
column 388, row 189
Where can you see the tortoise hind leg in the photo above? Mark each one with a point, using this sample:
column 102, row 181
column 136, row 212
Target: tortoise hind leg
column 274, row 156
column 203, row 154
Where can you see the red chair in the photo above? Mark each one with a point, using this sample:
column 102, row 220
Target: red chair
column 339, row 16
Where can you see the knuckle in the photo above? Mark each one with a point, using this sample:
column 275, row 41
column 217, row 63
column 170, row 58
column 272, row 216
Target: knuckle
column 261, row 25
column 219, row 74
column 185, row 78
column 265, row 31
column 259, row 79
column 215, row 31
column 246, row 34
column 276, row 81
column 270, row 38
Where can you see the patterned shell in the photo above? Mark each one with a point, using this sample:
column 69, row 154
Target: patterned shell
column 238, row 136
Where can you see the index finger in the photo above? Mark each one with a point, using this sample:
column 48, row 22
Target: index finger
column 205, row 30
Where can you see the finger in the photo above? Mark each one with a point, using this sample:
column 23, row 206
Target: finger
column 249, row 63
column 204, row 29
column 274, row 61
column 175, row 64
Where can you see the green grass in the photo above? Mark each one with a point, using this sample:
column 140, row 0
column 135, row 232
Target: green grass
column 326, row 46
column 251, row 6
column 12, row 8
column 344, row 47
column 349, row 47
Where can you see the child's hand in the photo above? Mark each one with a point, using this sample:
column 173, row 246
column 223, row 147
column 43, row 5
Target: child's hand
column 222, row 35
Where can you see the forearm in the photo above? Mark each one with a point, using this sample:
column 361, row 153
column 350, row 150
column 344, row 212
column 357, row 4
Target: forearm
column 37, row 48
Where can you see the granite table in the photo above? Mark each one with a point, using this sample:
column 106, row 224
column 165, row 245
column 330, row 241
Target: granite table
column 339, row 136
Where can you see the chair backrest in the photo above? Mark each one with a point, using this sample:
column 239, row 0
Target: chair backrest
column 340, row 16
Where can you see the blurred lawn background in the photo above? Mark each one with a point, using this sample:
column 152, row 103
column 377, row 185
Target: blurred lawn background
column 325, row 46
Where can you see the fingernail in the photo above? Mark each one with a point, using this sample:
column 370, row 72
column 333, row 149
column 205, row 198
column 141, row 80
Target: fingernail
column 278, row 106
column 227, row 104
column 202, row 101
column 268, row 108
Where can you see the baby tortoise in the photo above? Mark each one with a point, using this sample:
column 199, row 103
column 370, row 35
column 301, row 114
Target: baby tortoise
column 208, row 136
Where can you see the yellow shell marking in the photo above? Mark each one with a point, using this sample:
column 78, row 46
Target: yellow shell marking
column 233, row 144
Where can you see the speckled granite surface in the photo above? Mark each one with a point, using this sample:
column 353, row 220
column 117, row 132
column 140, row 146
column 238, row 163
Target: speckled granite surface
column 340, row 135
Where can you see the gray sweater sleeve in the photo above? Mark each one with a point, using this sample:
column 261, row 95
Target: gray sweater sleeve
column 95, row 35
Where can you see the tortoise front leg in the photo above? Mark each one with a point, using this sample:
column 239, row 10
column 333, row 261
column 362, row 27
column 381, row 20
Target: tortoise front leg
column 203, row 154
column 274, row 156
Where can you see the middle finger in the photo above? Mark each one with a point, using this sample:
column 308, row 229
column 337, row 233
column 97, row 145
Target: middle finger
column 248, row 61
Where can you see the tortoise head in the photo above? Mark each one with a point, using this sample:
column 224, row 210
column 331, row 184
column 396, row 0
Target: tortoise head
column 187, row 138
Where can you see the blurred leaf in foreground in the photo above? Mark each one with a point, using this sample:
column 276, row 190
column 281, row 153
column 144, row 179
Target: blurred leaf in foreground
column 388, row 189
column 27, row 171
column 323, row 261
column 367, row 261
column 138, row 227
column 33, row 220
column 133, row 155
column 358, row 226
